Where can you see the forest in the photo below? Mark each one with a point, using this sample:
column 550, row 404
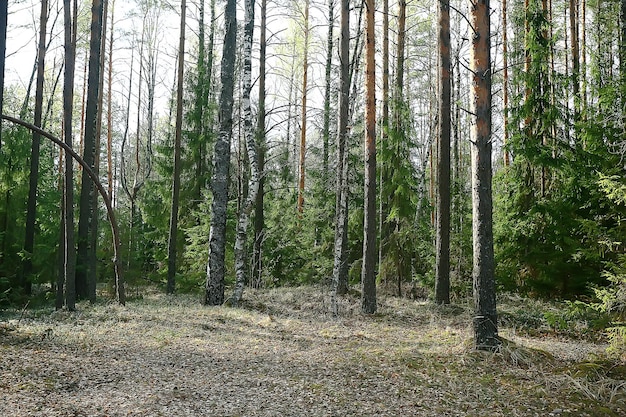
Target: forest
column 329, row 175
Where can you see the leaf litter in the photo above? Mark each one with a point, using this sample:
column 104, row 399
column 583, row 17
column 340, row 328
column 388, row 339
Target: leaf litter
column 283, row 354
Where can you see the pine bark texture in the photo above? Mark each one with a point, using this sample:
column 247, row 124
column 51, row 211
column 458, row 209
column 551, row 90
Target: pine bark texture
column 485, row 319
column 31, row 206
column 214, row 288
column 368, row 273
column 173, row 231
column 87, row 191
column 340, row 266
column 442, row 264
column 248, row 126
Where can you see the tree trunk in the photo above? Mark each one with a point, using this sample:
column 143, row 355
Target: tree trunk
column 485, row 319
column 69, row 270
column 4, row 13
column 368, row 273
column 248, row 127
column 87, row 192
column 573, row 20
column 505, row 82
column 214, row 291
column 109, row 110
column 31, row 207
column 442, row 266
column 305, row 79
column 173, row 235
column 384, row 177
column 259, row 214
column 327, row 84
column 340, row 267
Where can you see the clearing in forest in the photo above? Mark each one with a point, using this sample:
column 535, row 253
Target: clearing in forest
column 282, row 354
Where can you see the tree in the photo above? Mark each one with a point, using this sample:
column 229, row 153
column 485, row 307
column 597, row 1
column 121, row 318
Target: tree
column 4, row 14
column 442, row 266
column 173, row 234
column 31, row 207
column 340, row 266
column 69, row 251
column 87, row 192
column 249, row 134
column 368, row 272
column 485, row 319
column 214, row 287
column 305, row 79
column 259, row 212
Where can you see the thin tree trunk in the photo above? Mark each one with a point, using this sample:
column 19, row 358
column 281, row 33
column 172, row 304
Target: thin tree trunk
column 214, row 290
column 505, row 82
column 259, row 214
column 4, row 13
column 340, row 264
column 327, row 85
column 87, row 193
column 31, row 207
column 109, row 112
column 573, row 19
column 173, row 235
column 485, row 319
column 305, row 79
column 383, row 204
column 69, row 270
column 368, row 273
column 442, row 265
column 248, row 127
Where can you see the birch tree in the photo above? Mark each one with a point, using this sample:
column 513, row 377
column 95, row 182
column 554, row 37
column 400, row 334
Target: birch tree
column 340, row 267
column 244, row 215
column 214, row 286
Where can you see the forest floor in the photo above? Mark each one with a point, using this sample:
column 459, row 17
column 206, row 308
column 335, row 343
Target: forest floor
column 282, row 354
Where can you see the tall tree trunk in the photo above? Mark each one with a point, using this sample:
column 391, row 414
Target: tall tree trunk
column 69, row 270
column 382, row 197
column 442, row 266
column 109, row 110
column 173, row 235
column 305, row 79
column 4, row 13
column 214, row 291
column 248, row 127
column 573, row 19
column 485, row 319
column 31, row 207
column 340, row 264
column 368, row 273
column 259, row 214
column 200, row 104
column 505, row 82
column 87, row 192
column 327, row 85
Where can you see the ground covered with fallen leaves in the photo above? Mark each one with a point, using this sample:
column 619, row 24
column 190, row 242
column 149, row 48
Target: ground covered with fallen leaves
column 282, row 354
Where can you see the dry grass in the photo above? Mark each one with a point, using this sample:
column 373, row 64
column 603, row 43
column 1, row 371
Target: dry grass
column 283, row 354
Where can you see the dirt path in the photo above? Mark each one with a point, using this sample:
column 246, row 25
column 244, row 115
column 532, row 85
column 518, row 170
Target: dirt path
column 283, row 356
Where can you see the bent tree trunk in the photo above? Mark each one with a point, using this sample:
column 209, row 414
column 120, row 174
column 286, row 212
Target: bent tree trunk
column 91, row 175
